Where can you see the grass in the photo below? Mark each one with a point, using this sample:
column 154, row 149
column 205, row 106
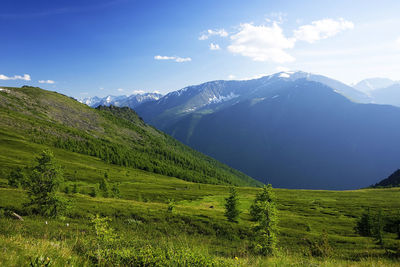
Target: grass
column 197, row 224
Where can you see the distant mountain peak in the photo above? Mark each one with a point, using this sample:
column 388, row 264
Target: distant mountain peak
column 121, row 101
column 371, row 84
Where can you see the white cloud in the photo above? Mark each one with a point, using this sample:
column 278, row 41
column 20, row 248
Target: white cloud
column 174, row 58
column 262, row 43
column 231, row 77
column 158, row 57
column 209, row 33
column 101, row 88
column 25, row 77
column 157, row 92
column 138, row 92
column 120, row 90
column 47, row 81
column 398, row 42
column 182, row 59
column 322, row 29
column 214, row 46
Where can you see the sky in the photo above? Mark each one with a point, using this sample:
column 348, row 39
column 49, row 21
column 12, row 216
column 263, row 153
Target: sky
column 120, row 47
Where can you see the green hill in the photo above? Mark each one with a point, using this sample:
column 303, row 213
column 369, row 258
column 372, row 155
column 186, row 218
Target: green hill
column 392, row 181
column 114, row 135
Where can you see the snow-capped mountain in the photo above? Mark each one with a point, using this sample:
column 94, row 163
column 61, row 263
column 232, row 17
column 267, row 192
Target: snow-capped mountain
column 291, row 129
column 372, row 84
column 215, row 95
column 131, row 101
column 381, row 90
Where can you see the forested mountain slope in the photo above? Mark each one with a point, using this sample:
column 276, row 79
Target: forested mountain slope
column 114, row 135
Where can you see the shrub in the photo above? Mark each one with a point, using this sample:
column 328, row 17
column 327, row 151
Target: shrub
column 171, row 206
column 320, row 247
column 105, row 237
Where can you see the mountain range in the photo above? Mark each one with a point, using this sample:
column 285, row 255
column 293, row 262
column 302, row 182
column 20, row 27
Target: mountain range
column 131, row 101
column 381, row 90
column 291, row 129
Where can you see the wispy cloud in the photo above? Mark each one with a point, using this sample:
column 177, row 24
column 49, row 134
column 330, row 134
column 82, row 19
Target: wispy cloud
column 214, row 46
column 25, row 77
column 322, row 29
column 173, row 58
column 138, row 92
column 46, row 81
column 398, row 42
column 231, row 77
column 262, row 43
column 120, row 90
column 209, row 33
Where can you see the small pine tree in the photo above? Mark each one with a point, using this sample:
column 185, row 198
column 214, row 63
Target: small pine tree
column 115, row 191
column 378, row 228
column 364, row 225
column 266, row 195
column 104, row 187
column 231, row 206
column 93, row 192
column 44, row 180
column 264, row 211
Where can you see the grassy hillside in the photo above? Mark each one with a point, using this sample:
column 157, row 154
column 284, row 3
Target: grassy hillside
column 195, row 232
column 114, row 135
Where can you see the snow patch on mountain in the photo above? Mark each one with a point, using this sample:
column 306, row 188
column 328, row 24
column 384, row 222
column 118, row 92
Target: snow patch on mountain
column 220, row 99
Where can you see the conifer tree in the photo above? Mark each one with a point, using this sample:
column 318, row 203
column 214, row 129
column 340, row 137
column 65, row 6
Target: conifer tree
column 44, row 180
column 266, row 195
column 231, row 206
column 265, row 213
column 104, row 187
column 364, row 225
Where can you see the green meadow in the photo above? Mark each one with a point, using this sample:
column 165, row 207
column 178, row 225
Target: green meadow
column 195, row 233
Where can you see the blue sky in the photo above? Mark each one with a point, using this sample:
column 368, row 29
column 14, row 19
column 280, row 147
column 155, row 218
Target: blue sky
column 100, row 47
